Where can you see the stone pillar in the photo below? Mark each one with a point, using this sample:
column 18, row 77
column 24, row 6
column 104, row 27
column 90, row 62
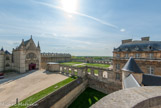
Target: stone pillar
column 92, row 71
column 100, row 74
column 80, row 72
column 72, row 71
column 62, row 69
column 67, row 70
column 86, row 70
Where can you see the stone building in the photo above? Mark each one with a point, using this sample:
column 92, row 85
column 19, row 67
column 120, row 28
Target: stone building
column 146, row 53
column 27, row 56
column 54, row 57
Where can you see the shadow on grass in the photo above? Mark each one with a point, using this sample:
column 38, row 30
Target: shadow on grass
column 87, row 98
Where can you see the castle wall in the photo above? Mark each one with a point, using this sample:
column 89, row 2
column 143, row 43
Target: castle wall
column 1, row 61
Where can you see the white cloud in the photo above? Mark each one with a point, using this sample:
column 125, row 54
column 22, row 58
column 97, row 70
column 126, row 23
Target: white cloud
column 122, row 30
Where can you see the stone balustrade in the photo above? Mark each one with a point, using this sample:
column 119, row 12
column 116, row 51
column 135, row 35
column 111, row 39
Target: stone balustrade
column 101, row 74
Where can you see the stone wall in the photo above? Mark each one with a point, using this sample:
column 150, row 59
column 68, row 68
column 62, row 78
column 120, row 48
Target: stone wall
column 104, row 86
column 101, row 79
column 54, row 98
column 71, row 96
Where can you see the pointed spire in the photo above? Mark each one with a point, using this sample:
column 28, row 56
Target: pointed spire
column 38, row 45
column 31, row 37
column 23, row 42
column 2, row 49
column 131, row 66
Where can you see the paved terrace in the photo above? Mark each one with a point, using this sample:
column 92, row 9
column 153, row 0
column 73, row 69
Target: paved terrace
column 25, row 85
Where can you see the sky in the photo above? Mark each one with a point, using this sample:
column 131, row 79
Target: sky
column 78, row 27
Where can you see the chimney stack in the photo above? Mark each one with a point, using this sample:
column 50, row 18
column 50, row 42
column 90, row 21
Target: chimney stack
column 126, row 41
column 145, row 38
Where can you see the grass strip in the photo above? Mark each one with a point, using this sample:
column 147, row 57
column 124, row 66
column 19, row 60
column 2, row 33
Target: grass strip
column 32, row 99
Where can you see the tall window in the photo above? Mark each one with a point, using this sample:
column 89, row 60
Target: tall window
column 151, row 55
column 117, row 76
column 137, row 55
column 7, row 58
column 117, row 66
column 7, row 65
column 150, row 70
column 126, row 55
column 31, row 56
column 118, row 55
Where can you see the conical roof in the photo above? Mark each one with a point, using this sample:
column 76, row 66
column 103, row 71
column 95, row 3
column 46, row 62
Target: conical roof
column 131, row 66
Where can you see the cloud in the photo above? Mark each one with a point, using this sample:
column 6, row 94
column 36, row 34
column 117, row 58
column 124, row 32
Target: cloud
column 122, row 30
column 80, row 14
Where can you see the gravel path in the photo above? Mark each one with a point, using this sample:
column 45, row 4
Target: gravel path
column 25, row 85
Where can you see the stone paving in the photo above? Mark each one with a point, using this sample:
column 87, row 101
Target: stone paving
column 25, row 85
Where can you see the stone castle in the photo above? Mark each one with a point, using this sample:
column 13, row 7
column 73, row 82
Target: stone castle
column 27, row 56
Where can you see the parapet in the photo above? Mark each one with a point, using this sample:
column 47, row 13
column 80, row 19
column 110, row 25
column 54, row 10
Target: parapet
column 55, row 55
column 137, row 97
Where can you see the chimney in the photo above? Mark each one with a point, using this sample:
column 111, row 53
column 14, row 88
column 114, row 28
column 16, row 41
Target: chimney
column 126, row 41
column 145, row 38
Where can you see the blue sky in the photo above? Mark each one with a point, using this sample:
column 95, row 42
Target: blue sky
column 79, row 27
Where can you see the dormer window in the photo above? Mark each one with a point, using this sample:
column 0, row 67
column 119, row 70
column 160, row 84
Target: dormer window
column 150, row 47
column 126, row 49
column 137, row 48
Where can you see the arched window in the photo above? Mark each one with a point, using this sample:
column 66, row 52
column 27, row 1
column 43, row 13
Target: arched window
column 31, row 56
column 7, row 58
column 7, row 65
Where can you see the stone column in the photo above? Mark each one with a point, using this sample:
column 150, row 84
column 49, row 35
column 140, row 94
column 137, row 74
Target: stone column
column 92, row 71
column 72, row 71
column 100, row 74
column 67, row 70
column 80, row 72
column 62, row 69
column 86, row 70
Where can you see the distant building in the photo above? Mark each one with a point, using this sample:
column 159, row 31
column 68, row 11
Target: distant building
column 54, row 57
column 27, row 56
column 146, row 53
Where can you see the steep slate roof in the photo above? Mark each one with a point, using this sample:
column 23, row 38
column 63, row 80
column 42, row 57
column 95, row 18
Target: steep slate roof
column 26, row 42
column 7, row 52
column 2, row 49
column 131, row 66
column 130, row 81
column 140, row 46
column 151, row 80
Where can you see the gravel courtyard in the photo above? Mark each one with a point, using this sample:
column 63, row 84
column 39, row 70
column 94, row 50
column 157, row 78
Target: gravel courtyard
column 25, row 85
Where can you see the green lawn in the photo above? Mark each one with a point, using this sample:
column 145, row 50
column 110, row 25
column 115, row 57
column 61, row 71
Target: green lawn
column 32, row 99
column 87, row 98
column 71, row 63
column 87, row 64
column 98, row 65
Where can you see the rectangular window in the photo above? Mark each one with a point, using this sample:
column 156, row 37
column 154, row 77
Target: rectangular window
column 151, row 55
column 118, row 55
column 117, row 66
column 126, row 55
column 137, row 55
column 117, row 76
column 150, row 70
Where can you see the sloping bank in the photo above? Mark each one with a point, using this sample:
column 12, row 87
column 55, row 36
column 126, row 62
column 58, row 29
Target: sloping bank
column 65, row 91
